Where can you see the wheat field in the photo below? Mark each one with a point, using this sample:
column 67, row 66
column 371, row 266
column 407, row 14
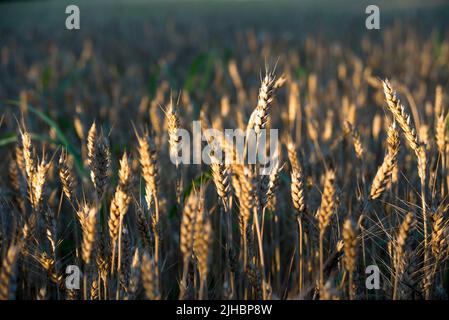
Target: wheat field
column 89, row 121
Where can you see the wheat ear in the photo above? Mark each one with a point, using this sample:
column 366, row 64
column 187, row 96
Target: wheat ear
column 399, row 255
column 193, row 210
column 119, row 207
column 385, row 171
column 408, row 128
column 98, row 159
column 350, row 249
column 67, row 176
column 325, row 212
column 202, row 243
column 150, row 173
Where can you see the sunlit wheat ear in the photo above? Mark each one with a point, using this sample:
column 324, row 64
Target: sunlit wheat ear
column 393, row 145
column 174, row 144
column 221, row 175
column 143, row 226
column 382, row 177
column 297, row 185
column 88, row 219
column 94, row 289
column 400, row 248
column 28, row 156
column 38, row 184
column 297, row 191
column 91, row 141
column 384, row 173
column 393, row 142
column 149, row 279
column 67, row 176
column 269, row 186
column 259, row 117
column 122, row 198
column 149, row 166
column 247, row 199
column 439, row 234
column 48, row 263
column 192, row 209
column 202, row 243
column 356, row 140
column 8, row 273
column 327, row 206
column 401, row 239
column 173, row 126
column 292, row 155
column 401, row 116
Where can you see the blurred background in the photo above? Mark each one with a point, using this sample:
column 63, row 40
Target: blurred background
column 146, row 33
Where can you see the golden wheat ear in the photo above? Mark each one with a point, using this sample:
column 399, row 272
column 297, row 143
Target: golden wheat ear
column 67, row 176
